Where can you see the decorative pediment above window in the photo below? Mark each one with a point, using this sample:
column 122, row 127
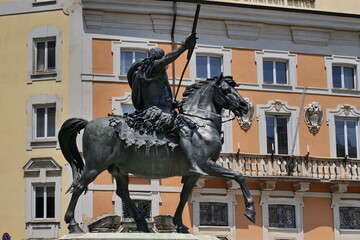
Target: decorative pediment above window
column 313, row 117
column 36, row 166
column 246, row 120
column 344, row 110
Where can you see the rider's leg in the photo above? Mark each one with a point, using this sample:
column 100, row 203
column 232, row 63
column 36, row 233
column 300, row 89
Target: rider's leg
column 187, row 147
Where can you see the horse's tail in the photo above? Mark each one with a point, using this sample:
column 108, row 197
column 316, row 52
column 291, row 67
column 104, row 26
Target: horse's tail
column 67, row 140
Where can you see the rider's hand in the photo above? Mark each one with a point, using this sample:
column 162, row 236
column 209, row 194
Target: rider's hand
column 175, row 103
column 190, row 41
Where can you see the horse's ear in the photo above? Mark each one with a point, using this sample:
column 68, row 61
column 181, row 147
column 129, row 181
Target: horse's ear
column 219, row 79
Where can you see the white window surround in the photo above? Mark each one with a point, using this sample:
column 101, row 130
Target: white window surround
column 278, row 108
column 226, row 128
column 151, row 195
column 282, row 56
column 338, row 202
column 44, row 99
column 271, row 233
column 37, row 172
column 343, row 61
column 132, row 45
column 216, row 51
column 344, row 112
column 43, row 32
column 220, row 231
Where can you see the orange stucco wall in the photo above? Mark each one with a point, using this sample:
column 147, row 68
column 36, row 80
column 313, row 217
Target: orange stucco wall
column 311, row 71
column 103, row 203
column 102, row 56
column 316, row 225
column 243, row 65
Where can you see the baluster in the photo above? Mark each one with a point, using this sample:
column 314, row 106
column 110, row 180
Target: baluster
column 314, row 169
column 333, row 171
column 326, row 170
column 261, row 168
column 247, row 167
column 277, row 169
column 254, row 167
column 320, row 169
column 354, row 175
column 283, row 168
column 348, row 171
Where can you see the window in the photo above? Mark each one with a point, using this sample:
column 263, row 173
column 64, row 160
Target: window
column 43, row 121
column 346, row 212
column 121, row 105
column 343, row 77
column 208, row 66
column 343, row 131
column 143, row 205
column 275, row 72
column 126, row 52
column 44, row 126
column 129, row 57
column 44, row 55
column 210, row 61
column 276, row 68
column 277, row 134
column 282, row 216
column 342, row 72
column 349, row 217
column 346, row 138
column 44, row 199
column 276, row 120
column 213, row 214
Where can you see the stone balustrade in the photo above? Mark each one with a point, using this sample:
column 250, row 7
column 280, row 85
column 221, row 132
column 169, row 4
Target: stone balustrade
column 267, row 165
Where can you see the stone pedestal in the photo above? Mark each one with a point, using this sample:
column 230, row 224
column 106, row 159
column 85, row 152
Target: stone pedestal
column 136, row 236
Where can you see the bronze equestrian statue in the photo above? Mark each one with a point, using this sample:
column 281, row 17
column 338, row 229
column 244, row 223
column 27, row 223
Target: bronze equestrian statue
column 109, row 143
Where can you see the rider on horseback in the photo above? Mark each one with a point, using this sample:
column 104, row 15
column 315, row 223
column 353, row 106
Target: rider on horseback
column 151, row 92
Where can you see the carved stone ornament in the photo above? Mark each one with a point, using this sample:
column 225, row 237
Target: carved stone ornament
column 246, row 120
column 313, row 117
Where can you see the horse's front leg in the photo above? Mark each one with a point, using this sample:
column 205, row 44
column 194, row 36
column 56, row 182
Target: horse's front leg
column 213, row 169
column 122, row 190
column 189, row 183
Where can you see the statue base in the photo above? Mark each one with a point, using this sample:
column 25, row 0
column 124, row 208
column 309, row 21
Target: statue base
column 136, row 236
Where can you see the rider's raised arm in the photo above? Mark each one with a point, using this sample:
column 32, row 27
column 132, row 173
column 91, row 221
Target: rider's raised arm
column 188, row 43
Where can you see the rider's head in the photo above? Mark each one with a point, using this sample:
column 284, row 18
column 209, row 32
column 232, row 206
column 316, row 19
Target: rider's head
column 156, row 53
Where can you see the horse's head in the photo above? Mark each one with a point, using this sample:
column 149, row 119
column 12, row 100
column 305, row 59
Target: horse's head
column 228, row 97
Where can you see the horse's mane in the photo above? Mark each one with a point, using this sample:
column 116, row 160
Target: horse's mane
column 192, row 89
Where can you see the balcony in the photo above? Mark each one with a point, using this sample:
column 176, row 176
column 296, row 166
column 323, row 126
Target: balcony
column 270, row 166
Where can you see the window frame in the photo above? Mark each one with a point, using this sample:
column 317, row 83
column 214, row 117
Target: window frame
column 45, row 186
column 280, row 56
column 46, row 51
column 51, row 100
column 208, row 64
column 127, row 45
column 278, row 108
column 341, row 199
column 342, row 61
column 35, row 121
column 343, row 112
column 276, row 137
column 42, row 172
column 346, row 120
column 222, row 231
column 274, row 72
column 282, row 198
column 40, row 34
column 210, row 50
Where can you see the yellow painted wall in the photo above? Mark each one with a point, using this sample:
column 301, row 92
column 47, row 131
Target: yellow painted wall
column 343, row 6
column 14, row 93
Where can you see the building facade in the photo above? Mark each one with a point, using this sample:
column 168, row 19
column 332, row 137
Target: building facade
column 297, row 62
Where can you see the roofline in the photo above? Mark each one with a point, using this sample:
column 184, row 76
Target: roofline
column 281, row 9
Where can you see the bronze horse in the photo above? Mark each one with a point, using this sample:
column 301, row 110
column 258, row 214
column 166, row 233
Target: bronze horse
column 104, row 150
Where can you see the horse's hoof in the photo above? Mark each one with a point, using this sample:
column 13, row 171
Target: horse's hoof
column 250, row 214
column 182, row 230
column 75, row 228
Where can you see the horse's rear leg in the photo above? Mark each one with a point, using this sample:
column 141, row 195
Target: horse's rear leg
column 122, row 190
column 213, row 169
column 86, row 178
column 189, row 184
